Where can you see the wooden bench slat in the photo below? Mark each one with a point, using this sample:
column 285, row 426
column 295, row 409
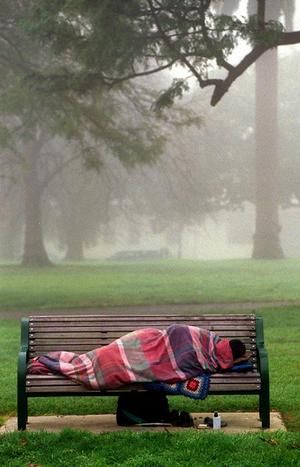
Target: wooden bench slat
column 96, row 342
column 248, row 388
column 120, row 324
column 75, row 349
column 216, row 376
column 226, row 330
column 122, row 329
column 91, row 343
column 78, row 348
column 113, row 335
column 136, row 318
column 83, row 351
column 42, row 382
column 229, row 383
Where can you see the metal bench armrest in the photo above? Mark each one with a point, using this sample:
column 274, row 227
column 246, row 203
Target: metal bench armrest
column 22, row 370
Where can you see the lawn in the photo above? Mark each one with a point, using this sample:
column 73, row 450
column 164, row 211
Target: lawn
column 162, row 282
column 81, row 449
column 255, row 281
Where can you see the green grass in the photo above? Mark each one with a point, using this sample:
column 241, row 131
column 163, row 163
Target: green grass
column 148, row 283
column 70, row 448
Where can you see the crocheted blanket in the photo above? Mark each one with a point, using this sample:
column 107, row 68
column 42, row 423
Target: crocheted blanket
column 195, row 388
column 175, row 354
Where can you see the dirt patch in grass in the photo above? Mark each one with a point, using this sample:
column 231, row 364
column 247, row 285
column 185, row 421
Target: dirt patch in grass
column 178, row 308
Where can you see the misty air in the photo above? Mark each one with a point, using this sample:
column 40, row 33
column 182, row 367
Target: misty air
column 149, row 232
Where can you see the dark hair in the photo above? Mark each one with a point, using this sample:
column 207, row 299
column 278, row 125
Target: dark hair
column 237, row 347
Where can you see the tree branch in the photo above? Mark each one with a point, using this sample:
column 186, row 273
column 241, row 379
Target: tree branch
column 172, row 47
column 222, row 86
column 289, row 38
column 261, row 11
column 285, row 38
column 112, row 81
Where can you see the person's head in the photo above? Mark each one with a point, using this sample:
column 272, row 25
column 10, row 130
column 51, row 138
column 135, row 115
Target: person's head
column 238, row 348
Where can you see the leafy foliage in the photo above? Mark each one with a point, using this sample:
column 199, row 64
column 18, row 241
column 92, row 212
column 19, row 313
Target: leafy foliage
column 149, row 35
column 268, row 36
column 166, row 98
column 42, row 102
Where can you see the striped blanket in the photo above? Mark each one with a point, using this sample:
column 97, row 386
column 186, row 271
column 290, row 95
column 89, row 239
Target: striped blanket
column 175, row 354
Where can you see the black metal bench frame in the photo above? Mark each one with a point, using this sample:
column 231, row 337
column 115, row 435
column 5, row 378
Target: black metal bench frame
column 81, row 333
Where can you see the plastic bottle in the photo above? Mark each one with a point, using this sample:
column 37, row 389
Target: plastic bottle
column 216, row 421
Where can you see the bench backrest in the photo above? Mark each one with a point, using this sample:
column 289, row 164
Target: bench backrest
column 82, row 333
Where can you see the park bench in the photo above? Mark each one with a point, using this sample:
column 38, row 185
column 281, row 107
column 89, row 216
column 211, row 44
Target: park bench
column 82, row 333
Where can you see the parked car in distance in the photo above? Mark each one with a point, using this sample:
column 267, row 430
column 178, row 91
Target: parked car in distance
column 136, row 255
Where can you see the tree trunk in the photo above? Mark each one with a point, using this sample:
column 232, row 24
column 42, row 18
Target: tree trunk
column 73, row 231
column 180, row 230
column 11, row 238
column 74, row 248
column 34, row 250
column 267, row 228
column 11, row 244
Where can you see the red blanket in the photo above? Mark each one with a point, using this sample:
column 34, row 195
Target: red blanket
column 175, row 354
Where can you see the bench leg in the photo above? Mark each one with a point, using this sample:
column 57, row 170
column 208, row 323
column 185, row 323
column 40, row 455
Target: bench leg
column 22, row 411
column 22, row 403
column 264, row 407
column 264, row 396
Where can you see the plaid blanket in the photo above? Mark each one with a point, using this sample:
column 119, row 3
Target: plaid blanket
column 175, row 354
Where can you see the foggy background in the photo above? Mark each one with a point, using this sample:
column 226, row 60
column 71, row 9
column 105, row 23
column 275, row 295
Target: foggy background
column 195, row 198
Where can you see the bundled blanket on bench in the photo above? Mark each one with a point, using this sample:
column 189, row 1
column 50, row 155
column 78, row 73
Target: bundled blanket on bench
column 177, row 353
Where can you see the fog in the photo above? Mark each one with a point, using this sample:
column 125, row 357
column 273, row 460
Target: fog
column 161, row 186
